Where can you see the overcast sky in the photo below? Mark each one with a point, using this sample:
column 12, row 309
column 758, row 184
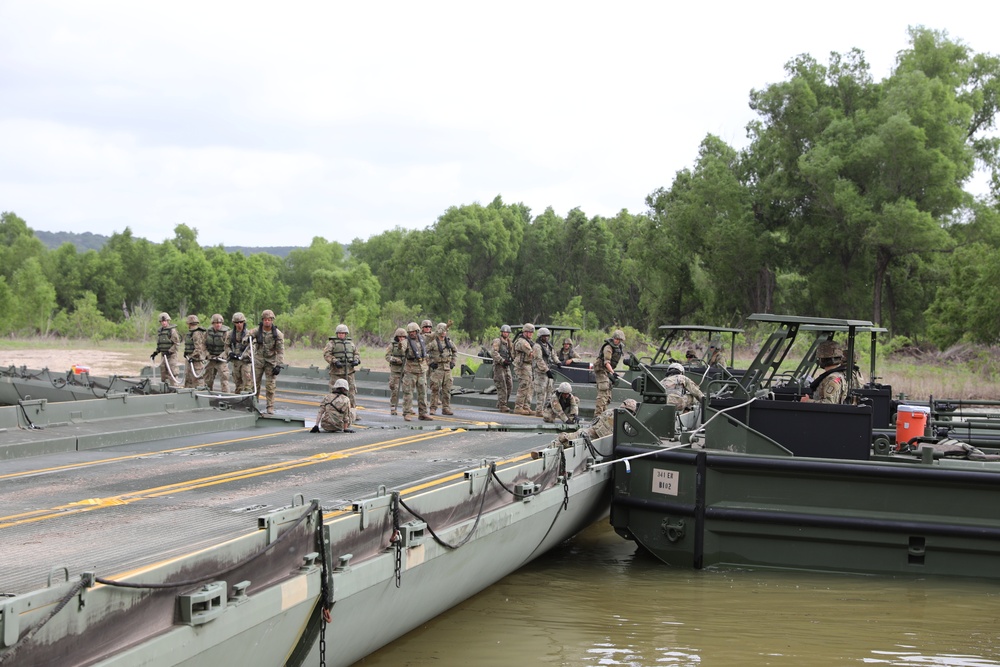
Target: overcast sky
column 271, row 123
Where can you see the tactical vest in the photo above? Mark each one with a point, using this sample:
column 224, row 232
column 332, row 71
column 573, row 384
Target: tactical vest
column 616, row 353
column 238, row 340
column 412, row 352
column 396, row 350
column 189, row 341
column 343, row 350
column 546, row 352
column 164, row 342
column 565, row 402
column 215, row 341
column 503, row 349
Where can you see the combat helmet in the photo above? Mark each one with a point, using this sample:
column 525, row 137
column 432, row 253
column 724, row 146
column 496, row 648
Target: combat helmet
column 829, row 349
column 217, row 318
column 192, row 319
column 630, row 405
column 619, row 334
column 411, row 327
column 505, row 328
column 239, row 317
column 528, row 328
column 400, row 331
column 442, row 327
column 341, row 384
column 426, row 324
column 164, row 317
column 564, row 388
column 675, row 368
column 342, row 328
column 544, row 331
column 267, row 314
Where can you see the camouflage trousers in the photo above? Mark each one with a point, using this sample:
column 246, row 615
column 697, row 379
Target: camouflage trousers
column 265, row 368
column 395, row 380
column 504, row 382
column 242, row 377
column 603, row 392
column 217, row 368
column 441, row 381
column 194, row 373
column 414, row 382
column 524, row 389
column 543, row 391
column 338, row 374
column 168, row 365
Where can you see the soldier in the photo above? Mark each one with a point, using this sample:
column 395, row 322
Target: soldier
column 523, row 354
column 715, row 354
column 503, row 357
column 567, row 353
column 217, row 345
column 195, row 352
column 342, row 358
column 604, row 368
column 563, row 405
column 168, row 343
column 239, row 340
column 268, row 355
column 543, row 358
column 414, row 373
column 681, row 390
column 335, row 412
column 831, row 385
column 441, row 353
column 394, row 355
column 600, row 427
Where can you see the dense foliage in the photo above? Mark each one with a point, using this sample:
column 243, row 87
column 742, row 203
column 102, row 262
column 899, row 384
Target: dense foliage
column 850, row 200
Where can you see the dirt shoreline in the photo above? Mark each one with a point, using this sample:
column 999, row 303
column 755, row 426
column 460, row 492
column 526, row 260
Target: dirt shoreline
column 100, row 362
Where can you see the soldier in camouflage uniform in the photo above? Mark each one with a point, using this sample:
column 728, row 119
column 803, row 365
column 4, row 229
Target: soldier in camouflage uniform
column 441, row 360
column 335, row 412
column 394, row 355
column 680, row 389
column 217, row 345
column 168, row 343
column 342, row 358
column 563, row 406
column 831, row 385
column 268, row 355
column 523, row 354
column 604, row 368
column 542, row 360
column 414, row 373
column 503, row 357
column 600, row 427
column 567, row 352
column 239, row 341
column 195, row 352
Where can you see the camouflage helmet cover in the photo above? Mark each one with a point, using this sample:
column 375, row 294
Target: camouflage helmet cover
column 567, row 341
column 630, row 405
column 217, row 318
column 239, row 317
column 528, row 328
column 267, row 314
column 426, row 323
column 565, row 388
column 619, row 334
column 342, row 328
column 829, row 349
column 399, row 332
column 442, row 327
column 164, row 317
column 505, row 328
column 412, row 326
column 675, row 367
column 341, row 384
column 192, row 319
column 544, row 332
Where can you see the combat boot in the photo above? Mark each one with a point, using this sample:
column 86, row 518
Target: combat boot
column 504, row 408
column 523, row 411
column 407, row 417
column 393, row 412
column 426, row 418
column 446, row 411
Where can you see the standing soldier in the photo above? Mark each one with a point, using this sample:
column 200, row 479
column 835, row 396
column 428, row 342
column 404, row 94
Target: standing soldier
column 523, row 354
column 503, row 357
column 542, row 361
column 441, row 353
column 342, row 357
column 394, row 355
column 567, row 353
column 168, row 343
column 563, row 406
column 239, row 340
column 335, row 412
column 715, row 355
column 217, row 344
column 604, row 368
column 268, row 355
column 414, row 373
column 195, row 353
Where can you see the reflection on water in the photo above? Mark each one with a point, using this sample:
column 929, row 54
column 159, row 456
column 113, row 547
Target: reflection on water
column 596, row 601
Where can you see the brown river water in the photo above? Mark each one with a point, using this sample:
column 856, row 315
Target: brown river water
column 595, row 600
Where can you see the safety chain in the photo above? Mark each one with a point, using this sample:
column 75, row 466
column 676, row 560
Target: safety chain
column 325, row 604
column 565, row 477
column 397, row 538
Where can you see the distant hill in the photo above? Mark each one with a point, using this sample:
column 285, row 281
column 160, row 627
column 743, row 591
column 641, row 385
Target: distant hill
column 87, row 241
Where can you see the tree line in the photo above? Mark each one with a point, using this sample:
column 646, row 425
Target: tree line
column 850, row 200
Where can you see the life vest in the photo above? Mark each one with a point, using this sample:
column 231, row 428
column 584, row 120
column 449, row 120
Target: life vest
column 343, row 350
column 164, row 341
column 238, row 340
column 189, row 341
column 412, row 353
column 215, row 341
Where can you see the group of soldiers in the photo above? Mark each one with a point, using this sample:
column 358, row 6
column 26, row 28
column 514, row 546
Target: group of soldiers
column 256, row 356
column 421, row 358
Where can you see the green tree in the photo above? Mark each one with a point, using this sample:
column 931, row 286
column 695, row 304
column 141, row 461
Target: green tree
column 34, row 297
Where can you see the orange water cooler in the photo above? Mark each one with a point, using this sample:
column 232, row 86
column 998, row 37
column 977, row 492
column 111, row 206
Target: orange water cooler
column 911, row 422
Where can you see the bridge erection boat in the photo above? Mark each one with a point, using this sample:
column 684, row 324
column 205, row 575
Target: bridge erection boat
column 765, row 480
